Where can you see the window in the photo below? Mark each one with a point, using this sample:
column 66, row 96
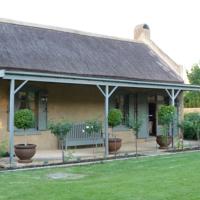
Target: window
column 121, row 102
column 36, row 101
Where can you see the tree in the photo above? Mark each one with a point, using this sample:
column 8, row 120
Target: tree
column 61, row 129
column 194, row 75
column 135, row 125
column 192, row 99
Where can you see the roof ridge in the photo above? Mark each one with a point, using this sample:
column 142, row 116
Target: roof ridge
column 55, row 28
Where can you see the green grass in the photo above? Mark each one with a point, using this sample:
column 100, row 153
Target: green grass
column 155, row 178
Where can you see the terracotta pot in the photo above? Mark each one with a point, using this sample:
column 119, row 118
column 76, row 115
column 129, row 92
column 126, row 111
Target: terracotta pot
column 114, row 144
column 25, row 153
column 163, row 141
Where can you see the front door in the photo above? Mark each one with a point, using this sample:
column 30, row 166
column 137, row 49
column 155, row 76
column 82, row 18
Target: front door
column 152, row 119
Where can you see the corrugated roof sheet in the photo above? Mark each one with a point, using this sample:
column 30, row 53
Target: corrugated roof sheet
column 46, row 50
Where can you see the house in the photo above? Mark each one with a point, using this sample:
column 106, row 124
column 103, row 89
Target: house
column 61, row 73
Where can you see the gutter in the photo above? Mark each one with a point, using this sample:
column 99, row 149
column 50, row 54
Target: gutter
column 59, row 78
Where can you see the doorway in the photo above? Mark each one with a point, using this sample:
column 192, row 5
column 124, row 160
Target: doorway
column 152, row 119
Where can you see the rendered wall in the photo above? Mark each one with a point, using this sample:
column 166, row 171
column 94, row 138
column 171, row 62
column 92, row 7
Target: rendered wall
column 71, row 102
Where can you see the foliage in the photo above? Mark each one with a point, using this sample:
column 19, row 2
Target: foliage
column 165, row 117
column 93, row 126
column 194, row 75
column 3, row 148
column 192, row 99
column 135, row 125
column 166, row 114
column 191, row 125
column 114, row 117
column 60, row 129
column 24, row 119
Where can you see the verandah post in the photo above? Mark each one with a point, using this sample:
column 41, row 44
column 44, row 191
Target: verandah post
column 106, row 93
column 11, row 119
column 106, row 119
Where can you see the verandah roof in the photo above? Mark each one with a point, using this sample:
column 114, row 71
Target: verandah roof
column 41, row 77
column 55, row 78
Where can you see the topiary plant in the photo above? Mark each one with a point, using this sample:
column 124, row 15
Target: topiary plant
column 24, row 119
column 165, row 117
column 114, row 117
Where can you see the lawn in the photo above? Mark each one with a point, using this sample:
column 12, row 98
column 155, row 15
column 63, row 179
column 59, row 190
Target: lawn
column 165, row 177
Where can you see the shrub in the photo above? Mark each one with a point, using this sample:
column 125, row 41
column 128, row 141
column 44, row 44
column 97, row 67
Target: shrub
column 3, row 149
column 114, row 117
column 24, row 119
column 192, row 100
column 189, row 125
column 60, row 129
column 93, row 126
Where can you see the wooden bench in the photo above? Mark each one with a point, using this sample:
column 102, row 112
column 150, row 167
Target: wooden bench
column 77, row 136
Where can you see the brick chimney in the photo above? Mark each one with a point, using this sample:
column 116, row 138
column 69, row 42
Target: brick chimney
column 142, row 32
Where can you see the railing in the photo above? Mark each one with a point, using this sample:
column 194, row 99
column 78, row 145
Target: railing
column 77, row 136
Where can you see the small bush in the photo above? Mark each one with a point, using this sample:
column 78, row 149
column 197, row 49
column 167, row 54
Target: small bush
column 3, row 148
column 114, row 117
column 93, row 126
column 189, row 129
column 60, row 129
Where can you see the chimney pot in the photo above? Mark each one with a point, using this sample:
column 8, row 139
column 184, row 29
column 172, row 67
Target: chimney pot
column 142, row 32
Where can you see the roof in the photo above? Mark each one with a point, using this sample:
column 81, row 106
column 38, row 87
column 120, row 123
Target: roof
column 36, row 49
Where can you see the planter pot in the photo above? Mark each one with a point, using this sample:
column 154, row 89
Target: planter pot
column 114, row 144
column 25, row 153
column 163, row 141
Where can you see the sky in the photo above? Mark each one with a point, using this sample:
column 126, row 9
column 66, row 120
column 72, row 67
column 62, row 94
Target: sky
column 174, row 24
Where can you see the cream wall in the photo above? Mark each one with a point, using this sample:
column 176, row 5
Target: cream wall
column 74, row 103
column 191, row 110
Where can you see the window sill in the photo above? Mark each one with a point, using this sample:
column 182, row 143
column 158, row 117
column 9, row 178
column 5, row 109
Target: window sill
column 21, row 132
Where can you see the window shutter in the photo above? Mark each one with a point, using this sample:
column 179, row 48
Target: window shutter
column 143, row 114
column 42, row 110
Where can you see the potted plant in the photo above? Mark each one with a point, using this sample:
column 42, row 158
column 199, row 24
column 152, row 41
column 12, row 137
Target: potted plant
column 114, row 119
column 24, row 119
column 165, row 117
column 60, row 130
